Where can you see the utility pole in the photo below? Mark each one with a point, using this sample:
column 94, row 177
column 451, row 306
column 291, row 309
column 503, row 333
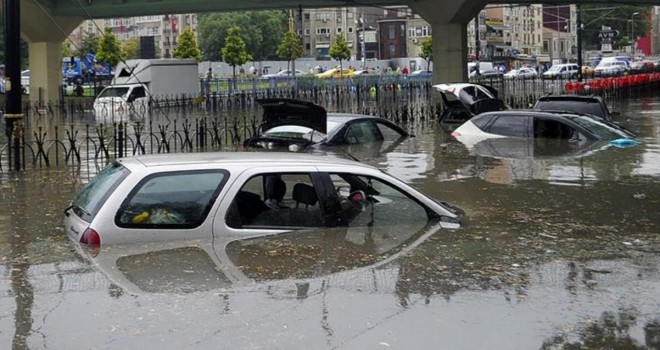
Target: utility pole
column 579, row 41
column 13, row 115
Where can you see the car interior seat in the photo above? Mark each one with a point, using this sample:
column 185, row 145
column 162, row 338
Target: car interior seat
column 275, row 189
column 305, row 194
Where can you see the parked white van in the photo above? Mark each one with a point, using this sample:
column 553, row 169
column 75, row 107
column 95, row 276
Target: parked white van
column 564, row 70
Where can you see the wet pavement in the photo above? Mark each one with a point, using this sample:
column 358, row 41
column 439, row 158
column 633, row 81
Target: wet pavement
column 561, row 252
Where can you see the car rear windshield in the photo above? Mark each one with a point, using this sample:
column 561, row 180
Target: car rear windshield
column 583, row 107
column 94, row 194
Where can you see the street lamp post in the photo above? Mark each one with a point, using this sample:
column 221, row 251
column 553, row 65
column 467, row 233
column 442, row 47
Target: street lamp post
column 632, row 32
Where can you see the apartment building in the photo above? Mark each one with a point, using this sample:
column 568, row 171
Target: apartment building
column 164, row 29
column 320, row 28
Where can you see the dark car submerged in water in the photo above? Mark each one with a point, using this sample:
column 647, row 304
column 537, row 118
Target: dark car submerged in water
column 296, row 125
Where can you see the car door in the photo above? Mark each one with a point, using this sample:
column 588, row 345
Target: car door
column 264, row 201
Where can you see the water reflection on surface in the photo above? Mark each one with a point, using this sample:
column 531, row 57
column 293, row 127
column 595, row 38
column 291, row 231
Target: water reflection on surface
column 559, row 252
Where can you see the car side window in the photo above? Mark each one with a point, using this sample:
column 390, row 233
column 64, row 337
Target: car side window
column 273, row 200
column 173, row 200
column 361, row 132
column 388, row 133
column 510, row 125
column 367, row 201
column 481, row 94
column 553, row 129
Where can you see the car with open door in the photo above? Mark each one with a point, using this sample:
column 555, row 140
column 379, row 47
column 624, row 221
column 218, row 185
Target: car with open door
column 297, row 125
column 166, row 197
column 462, row 101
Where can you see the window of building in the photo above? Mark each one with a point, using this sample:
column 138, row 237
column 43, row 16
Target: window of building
column 338, row 30
column 392, row 32
column 402, row 31
column 392, row 50
column 350, row 29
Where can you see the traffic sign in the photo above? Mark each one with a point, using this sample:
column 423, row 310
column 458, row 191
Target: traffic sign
column 608, row 34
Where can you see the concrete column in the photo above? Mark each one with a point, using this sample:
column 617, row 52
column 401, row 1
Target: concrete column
column 45, row 72
column 44, row 33
column 450, row 52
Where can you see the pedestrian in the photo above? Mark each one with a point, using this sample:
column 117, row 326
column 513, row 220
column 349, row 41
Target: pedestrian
column 209, row 76
column 405, row 70
column 252, row 70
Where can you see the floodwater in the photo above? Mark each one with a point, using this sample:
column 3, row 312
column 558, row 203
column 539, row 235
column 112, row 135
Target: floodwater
column 561, row 252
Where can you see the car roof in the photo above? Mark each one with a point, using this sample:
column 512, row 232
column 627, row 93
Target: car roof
column 533, row 113
column 590, row 98
column 345, row 117
column 233, row 158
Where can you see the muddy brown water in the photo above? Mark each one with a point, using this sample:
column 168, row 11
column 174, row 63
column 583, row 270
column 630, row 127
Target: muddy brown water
column 561, row 251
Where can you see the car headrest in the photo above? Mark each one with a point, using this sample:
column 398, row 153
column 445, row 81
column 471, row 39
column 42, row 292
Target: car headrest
column 303, row 193
column 275, row 188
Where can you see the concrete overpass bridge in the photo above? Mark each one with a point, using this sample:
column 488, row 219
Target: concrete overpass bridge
column 46, row 23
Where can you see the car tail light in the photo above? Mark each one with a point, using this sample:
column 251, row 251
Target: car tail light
column 92, row 241
column 455, row 134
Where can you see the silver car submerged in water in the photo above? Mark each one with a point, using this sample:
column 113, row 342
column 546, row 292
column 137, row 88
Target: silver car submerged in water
column 160, row 198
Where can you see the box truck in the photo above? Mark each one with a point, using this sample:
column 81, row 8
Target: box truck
column 139, row 85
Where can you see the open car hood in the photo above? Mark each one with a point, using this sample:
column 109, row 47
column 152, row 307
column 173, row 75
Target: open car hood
column 282, row 111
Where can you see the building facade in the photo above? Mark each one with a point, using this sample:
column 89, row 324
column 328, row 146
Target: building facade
column 164, row 29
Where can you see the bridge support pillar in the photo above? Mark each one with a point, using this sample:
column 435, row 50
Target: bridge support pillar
column 450, row 52
column 45, row 72
column 45, row 33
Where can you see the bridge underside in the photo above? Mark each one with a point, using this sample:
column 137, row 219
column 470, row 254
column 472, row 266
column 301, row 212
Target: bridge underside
column 129, row 8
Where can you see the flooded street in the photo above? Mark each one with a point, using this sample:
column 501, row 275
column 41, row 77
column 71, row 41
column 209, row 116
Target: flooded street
column 560, row 252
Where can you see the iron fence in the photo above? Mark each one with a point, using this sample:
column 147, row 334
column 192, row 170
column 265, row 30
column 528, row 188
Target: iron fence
column 74, row 133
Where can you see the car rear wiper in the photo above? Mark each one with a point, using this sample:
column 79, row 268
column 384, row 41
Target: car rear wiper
column 76, row 207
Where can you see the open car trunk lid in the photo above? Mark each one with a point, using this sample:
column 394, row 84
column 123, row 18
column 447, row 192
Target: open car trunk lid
column 281, row 111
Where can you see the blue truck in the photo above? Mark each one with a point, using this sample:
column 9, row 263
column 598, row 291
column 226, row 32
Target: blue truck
column 76, row 70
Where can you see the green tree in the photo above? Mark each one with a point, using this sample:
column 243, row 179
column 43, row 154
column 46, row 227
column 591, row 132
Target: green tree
column 89, row 44
column 618, row 17
column 65, row 49
column 130, row 48
column 427, row 51
column 234, row 52
column 186, row 46
column 109, row 50
column 262, row 32
column 339, row 51
column 290, row 48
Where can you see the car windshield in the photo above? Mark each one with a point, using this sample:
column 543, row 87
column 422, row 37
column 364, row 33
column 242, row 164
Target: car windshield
column 114, row 92
column 554, row 69
column 93, row 195
column 602, row 129
column 295, row 132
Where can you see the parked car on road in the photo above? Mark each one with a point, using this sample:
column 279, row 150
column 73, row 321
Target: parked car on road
column 421, row 73
column 168, row 197
column 521, row 73
column 594, row 105
column 640, row 67
column 283, row 74
column 563, row 71
column 462, row 101
column 611, row 69
column 336, row 73
column 569, row 127
column 296, row 125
